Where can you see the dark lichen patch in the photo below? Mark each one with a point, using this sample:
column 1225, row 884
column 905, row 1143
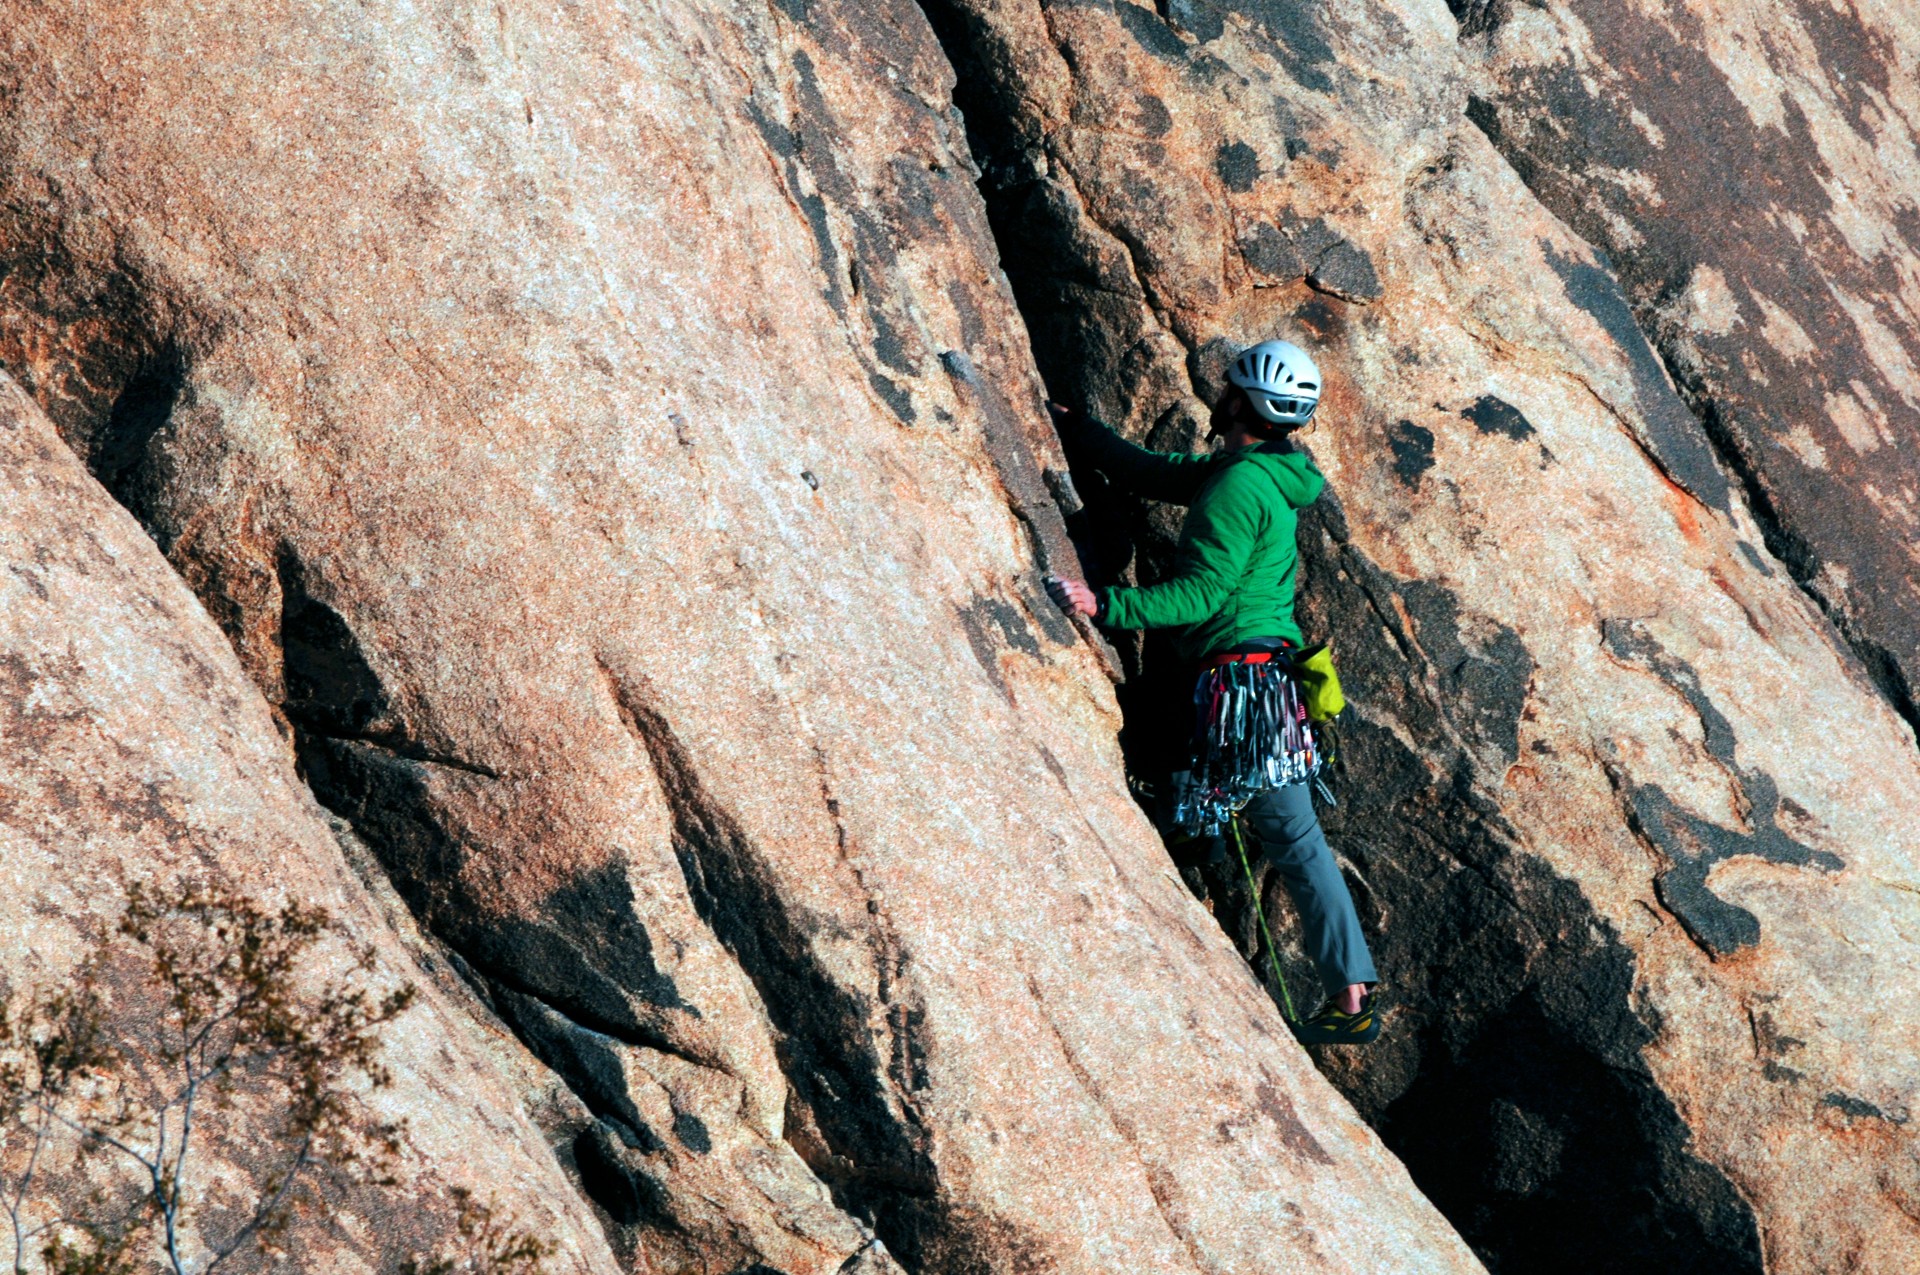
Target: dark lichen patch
column 1322, row 321
column 992, row 627
column 1150, row 31
column 1011, row 623
column 1151, row 116
column 1011, row 452
column 1481, row 668
column 1718, row 927
column 1197, row 17
column 1271, row 253
column 973, row 329
column 1346, row 271
column 1858, row 61
column 1412, row 449
column 1755, row 202
column 894, row 395
column 778, row 137
column 1238, row 166
column 1480, row 17
column 1311, row 239
column 828, row 252
column 1692, row 844
column 691, row 1132
column 907, row 209
column 1293, row 27
column 1272, row 1102
column 1493, row 415
column 887, row 345
column 1670, row 433
column 1859, row 1108
column 1314, row 251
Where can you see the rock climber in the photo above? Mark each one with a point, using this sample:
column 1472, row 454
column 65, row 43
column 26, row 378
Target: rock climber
column 1229, row 600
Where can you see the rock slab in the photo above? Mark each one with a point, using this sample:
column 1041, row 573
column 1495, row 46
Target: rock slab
column 606, row 438
column 1596, row 807
column 134, row 751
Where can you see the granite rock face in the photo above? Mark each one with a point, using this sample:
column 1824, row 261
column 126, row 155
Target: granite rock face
column 1753, row 172
column 606, row 439
column 609, row 445
column 133, row 750
column 1630, row 819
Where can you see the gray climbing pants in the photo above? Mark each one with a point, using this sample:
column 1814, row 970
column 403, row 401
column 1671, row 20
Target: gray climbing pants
column 1283, row 822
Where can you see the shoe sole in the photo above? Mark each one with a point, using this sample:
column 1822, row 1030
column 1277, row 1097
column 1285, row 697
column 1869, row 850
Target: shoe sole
column 1364, row 1031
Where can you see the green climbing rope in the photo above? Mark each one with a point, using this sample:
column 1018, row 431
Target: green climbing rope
column 1253, row 892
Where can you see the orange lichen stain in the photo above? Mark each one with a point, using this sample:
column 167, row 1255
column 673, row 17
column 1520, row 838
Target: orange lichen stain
column 1684, row 507
column 1720, row 579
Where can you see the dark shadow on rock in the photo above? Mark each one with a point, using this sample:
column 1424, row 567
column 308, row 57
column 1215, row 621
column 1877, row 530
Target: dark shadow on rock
column 122, row 456
column 1510, row 1079
column 582, row 949
column 329, row 687
column 858, row 1088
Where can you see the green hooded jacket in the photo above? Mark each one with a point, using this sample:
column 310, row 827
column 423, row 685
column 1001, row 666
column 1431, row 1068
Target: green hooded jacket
column 1233, row 574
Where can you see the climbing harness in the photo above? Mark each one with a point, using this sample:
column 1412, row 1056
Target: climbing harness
column 1251, row 733
column 1266, row 935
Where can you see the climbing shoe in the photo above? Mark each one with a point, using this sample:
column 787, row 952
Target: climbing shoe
column 1332, row 1026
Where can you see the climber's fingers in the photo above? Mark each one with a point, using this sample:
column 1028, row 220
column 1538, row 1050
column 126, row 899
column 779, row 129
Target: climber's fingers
column 1072, row 596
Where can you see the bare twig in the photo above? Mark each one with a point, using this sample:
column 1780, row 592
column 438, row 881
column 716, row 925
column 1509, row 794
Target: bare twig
column 232, row 1015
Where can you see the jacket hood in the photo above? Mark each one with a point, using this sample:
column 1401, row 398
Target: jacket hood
column 1300, row 480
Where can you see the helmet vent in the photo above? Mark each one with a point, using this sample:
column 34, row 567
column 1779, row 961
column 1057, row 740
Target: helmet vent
column 1279, row 380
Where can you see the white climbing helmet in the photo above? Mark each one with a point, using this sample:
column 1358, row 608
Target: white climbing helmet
column 1280, row 380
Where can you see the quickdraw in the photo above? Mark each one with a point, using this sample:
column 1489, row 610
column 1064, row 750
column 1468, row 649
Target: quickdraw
column 1251, row 733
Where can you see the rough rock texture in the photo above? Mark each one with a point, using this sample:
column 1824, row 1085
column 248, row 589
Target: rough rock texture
column 1631, row 820
column 1753, row 171
column 133, row 749
column 604, row 435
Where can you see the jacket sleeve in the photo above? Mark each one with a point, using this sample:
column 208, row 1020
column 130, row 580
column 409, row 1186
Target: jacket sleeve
column 1174, row 479
column 1214, row 547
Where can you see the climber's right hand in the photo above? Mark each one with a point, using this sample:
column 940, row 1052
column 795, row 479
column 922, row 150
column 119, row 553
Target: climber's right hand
column 1073, row 596
column 1066, row 421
